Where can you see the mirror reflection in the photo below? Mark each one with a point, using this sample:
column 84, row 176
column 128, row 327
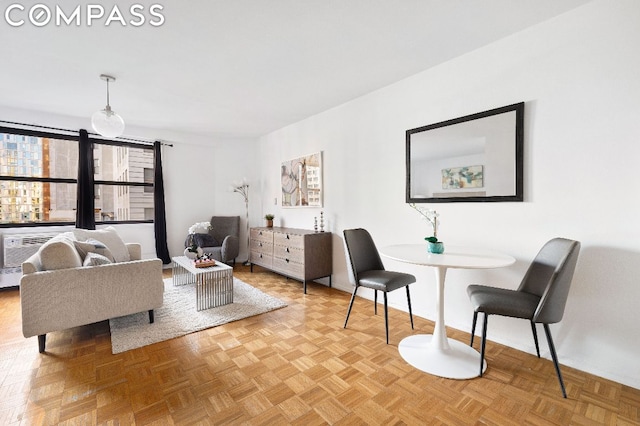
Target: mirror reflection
column 472, row 158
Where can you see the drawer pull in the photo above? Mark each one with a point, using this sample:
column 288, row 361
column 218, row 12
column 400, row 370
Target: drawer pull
column 287, row 260
column 288, row 237
column 260, row 233
column 259, row 244
column 288, row 250
column 260, row 255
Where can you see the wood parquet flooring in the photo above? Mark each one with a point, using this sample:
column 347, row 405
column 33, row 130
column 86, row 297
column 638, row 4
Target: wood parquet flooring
column 296, row 365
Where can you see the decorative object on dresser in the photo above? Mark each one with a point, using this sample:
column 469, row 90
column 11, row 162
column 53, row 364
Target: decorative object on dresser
column 300, row 254
column 269, row 218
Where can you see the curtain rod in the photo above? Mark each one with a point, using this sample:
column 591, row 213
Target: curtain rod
column 75, row 131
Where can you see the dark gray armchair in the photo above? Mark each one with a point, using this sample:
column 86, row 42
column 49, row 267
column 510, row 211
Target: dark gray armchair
column 366, row 270
column 541, row 297
column 223, row 240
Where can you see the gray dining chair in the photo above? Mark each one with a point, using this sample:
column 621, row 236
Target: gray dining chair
column 540, row 298
column 367, row 271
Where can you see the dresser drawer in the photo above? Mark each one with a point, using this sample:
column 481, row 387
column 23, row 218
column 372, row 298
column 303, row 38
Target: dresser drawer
column 288, row 240
column 261, row 235
column 288, row 267
column 261, row 259
column 289, row 253
column 261, row 246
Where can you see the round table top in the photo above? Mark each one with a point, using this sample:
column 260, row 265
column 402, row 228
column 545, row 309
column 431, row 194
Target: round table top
column 453, row 257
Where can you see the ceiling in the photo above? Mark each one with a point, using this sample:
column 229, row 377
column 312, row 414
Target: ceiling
column 242, row 68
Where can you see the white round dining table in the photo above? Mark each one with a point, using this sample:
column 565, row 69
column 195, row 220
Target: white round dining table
column 435, row 353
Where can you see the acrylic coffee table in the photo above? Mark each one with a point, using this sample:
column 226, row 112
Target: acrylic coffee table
column 214, row 285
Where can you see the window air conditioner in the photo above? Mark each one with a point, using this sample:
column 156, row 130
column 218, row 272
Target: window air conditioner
column 19, row 247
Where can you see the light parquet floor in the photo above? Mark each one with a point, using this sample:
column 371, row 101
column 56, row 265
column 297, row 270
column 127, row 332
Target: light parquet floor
column 296, row 366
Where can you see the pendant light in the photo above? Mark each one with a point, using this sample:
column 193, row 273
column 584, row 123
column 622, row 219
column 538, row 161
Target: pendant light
column 106, row 122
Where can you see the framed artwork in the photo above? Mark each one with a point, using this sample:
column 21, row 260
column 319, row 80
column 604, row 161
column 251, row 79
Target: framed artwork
column 301, row 180
column 463, row 177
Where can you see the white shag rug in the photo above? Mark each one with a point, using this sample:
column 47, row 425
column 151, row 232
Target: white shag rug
column 178, row 315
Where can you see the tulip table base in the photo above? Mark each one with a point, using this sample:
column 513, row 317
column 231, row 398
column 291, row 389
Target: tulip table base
column 458, row 361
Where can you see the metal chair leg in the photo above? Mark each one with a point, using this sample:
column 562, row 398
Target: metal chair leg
column 535, row 337
column 473, row 327
column 484, row 341
column 409, row 303
column 353, row 297
column 375, row 302
column 552, row 348
column 386, row 316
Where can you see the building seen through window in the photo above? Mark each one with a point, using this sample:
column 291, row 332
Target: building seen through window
column 38, row 179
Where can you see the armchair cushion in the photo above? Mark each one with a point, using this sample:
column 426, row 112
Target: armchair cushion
column 85, row 248
column 205, row 240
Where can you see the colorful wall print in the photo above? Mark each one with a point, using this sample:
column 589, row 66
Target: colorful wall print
column 463, row 177
column 301, row 180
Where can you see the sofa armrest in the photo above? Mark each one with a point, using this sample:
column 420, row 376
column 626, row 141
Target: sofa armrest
column 135, row 250
column 230, row 248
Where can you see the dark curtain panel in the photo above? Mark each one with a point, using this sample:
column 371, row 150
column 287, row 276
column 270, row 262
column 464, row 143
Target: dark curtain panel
column 160, row 219
column 85, row 217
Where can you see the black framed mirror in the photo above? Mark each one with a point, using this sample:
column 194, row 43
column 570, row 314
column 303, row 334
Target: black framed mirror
column 478, row 157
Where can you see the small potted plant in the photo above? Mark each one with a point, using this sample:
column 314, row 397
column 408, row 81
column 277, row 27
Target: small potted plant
column 269, row 218
column 433, row 244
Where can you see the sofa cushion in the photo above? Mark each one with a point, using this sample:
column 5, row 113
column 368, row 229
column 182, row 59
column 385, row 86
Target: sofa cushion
column 109, row 237
column 205, row 240
column 95, row 259
column 59, row 253
column 93, row 246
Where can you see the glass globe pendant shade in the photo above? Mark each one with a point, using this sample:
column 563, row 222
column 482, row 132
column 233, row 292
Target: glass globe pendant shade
column 107, row 123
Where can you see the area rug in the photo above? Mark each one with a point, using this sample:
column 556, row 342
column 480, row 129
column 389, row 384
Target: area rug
column 178, row 315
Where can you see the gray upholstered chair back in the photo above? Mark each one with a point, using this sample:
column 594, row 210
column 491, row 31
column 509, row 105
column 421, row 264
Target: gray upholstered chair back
column 221, row 226
column 549, row 276
column 362, row 253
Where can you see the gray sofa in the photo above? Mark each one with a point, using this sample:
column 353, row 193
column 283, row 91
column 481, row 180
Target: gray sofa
column 222, row 241
column 67, row 283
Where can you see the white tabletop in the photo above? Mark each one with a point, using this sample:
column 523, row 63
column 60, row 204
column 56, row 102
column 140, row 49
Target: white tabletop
column 436, row 353
column 190, row 266
column 453, row 257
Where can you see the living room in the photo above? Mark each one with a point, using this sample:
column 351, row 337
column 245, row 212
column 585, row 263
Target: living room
column 577, row 74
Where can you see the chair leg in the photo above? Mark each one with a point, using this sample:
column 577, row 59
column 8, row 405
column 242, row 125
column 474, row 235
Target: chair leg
column 484, row 340
column 353, row 297
column 375, row 302
column 535, row 337
column 473, row 327
column 409, row 303
column 555, row 358
column 42, row 340
column 151, row 316
column 386, row 316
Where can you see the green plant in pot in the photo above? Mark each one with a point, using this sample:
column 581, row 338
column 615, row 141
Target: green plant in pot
column 269, row 218
column 433, row 244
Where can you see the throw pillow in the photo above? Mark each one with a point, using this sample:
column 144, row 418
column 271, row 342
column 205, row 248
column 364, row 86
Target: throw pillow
column 110, row 238
column 93, row 246
column 59, row 253
column 205, row 240
column 95, row 259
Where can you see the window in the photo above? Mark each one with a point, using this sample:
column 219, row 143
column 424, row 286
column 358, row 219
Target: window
column 38, row 175
column 39, row 171
column 126, row 193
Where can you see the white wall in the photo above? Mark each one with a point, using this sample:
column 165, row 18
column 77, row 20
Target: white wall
column 198, row 171
column 578, row 75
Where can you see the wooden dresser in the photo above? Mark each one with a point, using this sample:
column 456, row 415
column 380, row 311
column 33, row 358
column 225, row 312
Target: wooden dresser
column 300, row 254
